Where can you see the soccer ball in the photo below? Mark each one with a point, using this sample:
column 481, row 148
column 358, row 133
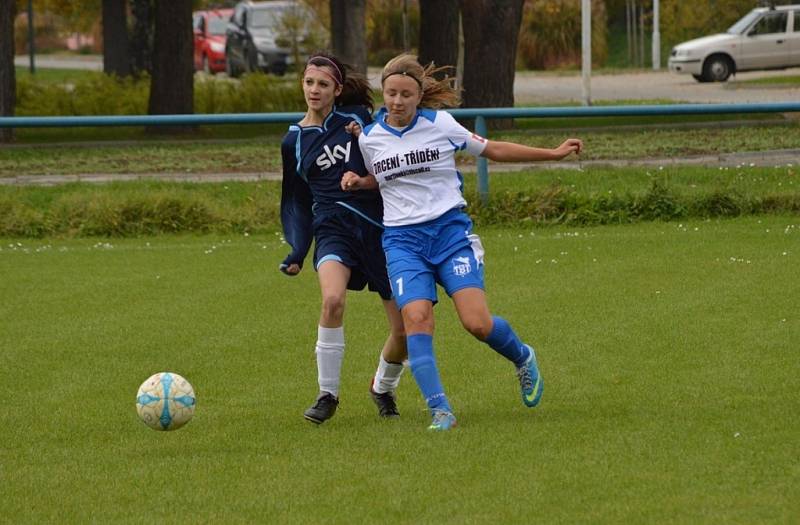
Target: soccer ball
column 165, row 401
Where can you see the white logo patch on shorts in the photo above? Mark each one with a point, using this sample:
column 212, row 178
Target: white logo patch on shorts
column 461, row 266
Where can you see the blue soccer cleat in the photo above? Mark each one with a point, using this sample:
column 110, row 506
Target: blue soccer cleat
column 442, row 420
column 530, row 381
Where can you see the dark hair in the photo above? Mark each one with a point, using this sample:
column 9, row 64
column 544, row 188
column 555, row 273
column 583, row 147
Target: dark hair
column 356, row 90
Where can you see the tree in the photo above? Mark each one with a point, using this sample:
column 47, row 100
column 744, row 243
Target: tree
column 438, row 33
column 300, row 30
column 8, row 78
column 172, row 82
column 141, row 48
column 348, row 32
column 116, row 52
column 490, row 51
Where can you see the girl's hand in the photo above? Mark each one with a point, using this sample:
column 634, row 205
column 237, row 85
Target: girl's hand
column 569, row 146
column 350, row 181
column 291, row 269
column 354, row 128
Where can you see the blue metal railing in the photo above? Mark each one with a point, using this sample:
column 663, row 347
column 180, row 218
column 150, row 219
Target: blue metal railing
column 479, row 114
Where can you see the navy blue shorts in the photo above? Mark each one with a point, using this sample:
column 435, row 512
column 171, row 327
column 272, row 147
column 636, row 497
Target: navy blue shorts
column 443, row 251
column 345, row 237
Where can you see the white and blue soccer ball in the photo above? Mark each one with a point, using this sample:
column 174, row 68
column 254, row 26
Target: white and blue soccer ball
column 165, row 401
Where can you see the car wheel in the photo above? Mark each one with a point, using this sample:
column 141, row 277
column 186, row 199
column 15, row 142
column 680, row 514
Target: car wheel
column 717, row 68
column 699, row 78
column 206, row 66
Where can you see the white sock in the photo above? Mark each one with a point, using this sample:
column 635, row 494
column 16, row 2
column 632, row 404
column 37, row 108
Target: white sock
column 387, row 377
column 330, row 351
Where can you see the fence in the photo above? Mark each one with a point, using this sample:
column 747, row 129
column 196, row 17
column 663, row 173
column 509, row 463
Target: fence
column 479, row 114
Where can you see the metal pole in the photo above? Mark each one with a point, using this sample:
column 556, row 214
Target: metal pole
column 482, row 164
column 31, row 43
column 586, row 43
column 656, row 38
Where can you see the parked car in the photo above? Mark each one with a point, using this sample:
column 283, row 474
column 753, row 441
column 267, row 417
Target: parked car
column 209, row 39
column 765, row 38
column 253, row 38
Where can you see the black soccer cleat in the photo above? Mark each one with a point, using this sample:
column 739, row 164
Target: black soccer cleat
column 323, row 409
column 386, row 403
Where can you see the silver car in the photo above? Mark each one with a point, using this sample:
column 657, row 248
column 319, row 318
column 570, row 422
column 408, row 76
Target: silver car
column 765, row 38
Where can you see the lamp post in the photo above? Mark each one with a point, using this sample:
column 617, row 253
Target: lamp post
column 656, row 38
column 586, row 43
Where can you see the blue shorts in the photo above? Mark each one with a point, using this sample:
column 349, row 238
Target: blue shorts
column 356, row 243
column 443, row 251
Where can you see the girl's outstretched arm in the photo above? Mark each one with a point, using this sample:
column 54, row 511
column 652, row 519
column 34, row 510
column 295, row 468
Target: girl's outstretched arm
column 512, row 152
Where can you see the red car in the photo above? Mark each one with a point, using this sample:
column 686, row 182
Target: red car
column 209, row 39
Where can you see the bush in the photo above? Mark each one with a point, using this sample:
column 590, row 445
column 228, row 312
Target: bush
column 256, row 93
column 132, row 209
column 550, row 34
column 681, row 20
column 99, row 94
column 384, row 25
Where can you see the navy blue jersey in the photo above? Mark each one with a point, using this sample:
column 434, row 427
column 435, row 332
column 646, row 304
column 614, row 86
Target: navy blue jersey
column 314, row 160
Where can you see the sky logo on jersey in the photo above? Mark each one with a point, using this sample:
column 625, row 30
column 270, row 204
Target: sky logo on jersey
column 329, row 158
column 461, row 266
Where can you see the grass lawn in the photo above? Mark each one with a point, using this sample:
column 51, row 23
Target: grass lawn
column 262, row 154
column 54, row 76
column 668, row 351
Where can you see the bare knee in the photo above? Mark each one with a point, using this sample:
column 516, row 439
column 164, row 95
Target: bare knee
column 418, row 321
column 333, row 308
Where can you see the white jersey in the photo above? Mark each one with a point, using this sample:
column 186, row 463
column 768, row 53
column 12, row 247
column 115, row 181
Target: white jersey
column 415, row 167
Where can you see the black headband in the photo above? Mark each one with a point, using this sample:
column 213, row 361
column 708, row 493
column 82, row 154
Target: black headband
column 405, row 74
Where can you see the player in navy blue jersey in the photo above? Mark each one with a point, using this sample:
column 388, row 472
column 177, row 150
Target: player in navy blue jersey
column 345, row 226
column 410, row 153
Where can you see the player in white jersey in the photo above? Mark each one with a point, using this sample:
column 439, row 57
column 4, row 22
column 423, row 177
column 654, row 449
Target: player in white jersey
column 410, row 153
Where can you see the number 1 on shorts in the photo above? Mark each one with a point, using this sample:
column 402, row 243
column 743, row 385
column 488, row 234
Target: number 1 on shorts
column 399, row 286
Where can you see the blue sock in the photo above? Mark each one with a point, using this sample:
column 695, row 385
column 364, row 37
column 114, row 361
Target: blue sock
column 423, row 366
column 505, row 342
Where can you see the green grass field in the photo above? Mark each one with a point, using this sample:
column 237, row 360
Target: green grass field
column 263, row 154
column 668, row 351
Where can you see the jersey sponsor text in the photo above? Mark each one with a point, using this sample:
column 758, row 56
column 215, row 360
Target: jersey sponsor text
column 329, row 158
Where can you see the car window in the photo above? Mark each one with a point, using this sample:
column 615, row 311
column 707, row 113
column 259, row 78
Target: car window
column 216, row 25
column 797, row 21
column 771, row 23
column 238, row 15
column 744, row 23
column 267, row 17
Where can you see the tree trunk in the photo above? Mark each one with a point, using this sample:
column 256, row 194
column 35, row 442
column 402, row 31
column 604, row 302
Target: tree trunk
column 172, row 83
column 438, row 33
column 348, row 32
column 116, row 55
column 8, row 77
column 491, row 28
column 141, row 47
